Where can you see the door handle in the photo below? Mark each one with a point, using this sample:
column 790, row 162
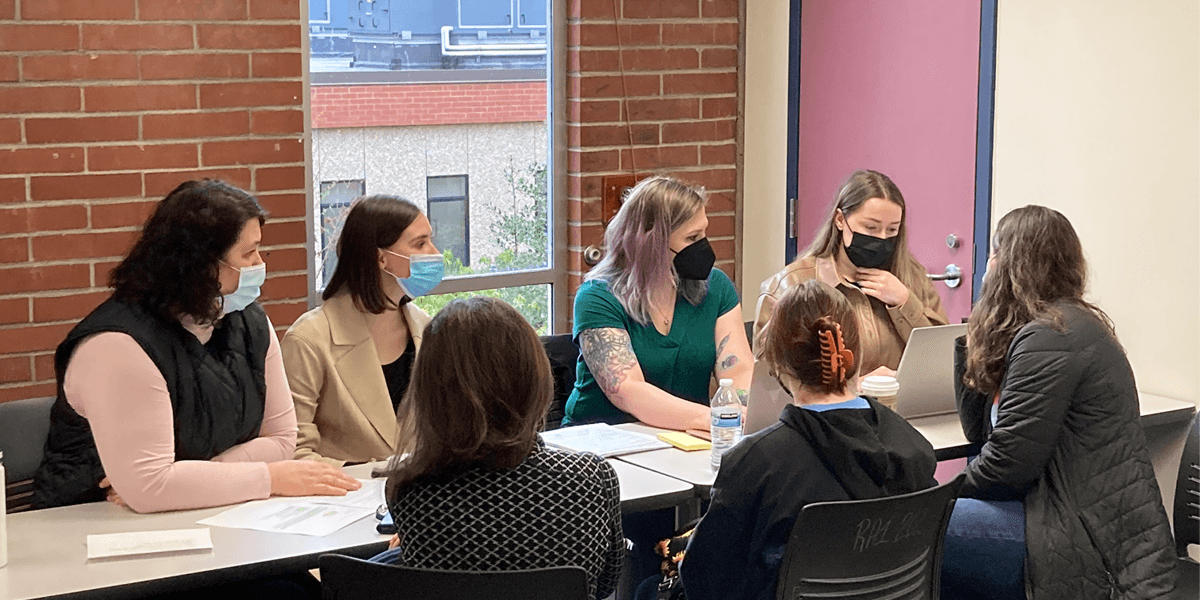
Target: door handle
column 952, row 276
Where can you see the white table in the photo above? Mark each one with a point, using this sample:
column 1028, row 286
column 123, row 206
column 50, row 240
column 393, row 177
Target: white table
column 47, row 549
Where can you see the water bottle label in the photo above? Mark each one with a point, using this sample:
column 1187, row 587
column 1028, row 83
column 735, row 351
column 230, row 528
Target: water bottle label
column 727, row 419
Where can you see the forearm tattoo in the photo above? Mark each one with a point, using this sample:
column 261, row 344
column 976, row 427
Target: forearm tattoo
column 721, row 346
column 728, row 362
column 725, row 362
column 609, row 355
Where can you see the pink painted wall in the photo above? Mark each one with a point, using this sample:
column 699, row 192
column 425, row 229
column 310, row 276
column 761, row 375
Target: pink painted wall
column 892, row 86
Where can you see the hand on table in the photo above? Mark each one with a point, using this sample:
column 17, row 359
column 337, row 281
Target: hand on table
column 703, row 434
column 394, row 542
column 883, row 285
column 309, row 478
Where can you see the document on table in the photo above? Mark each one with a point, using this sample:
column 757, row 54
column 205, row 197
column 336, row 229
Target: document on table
column 309, row 515
column 148, row 542
column 602, row 439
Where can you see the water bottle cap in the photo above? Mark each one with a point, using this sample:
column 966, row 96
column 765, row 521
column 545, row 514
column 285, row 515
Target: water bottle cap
column 726, row 382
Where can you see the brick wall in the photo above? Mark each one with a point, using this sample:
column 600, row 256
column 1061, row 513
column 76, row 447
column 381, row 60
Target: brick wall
column 427, row 104
column 675, row 110
column 106, row 105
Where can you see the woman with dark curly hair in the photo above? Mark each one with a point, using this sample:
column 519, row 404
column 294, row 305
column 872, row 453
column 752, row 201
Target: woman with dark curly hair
column 176, row 381
column 1062, row 500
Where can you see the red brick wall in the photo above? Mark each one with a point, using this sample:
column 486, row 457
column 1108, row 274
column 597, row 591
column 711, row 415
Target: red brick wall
column 427, row 104
column 106, row 105
column 675, row 110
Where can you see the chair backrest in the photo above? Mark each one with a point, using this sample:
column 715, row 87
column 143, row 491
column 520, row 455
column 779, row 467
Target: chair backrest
column 1187, row 492
column 869, row 549
column 24, row 425
column 749, row 325
column 345, row 578
column 564, row 355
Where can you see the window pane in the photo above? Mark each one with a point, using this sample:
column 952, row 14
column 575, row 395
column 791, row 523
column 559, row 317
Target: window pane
column 454, row 186
column 335, row 198
column 532, row 301
column 449, row 220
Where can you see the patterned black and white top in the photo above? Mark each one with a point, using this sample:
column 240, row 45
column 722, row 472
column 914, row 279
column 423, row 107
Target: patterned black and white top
column 557, row 508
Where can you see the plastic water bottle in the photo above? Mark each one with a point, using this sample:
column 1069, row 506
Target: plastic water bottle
column 726, row 428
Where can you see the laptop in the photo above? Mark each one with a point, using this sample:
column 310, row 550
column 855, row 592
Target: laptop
column 925, row 375
column 926, row 371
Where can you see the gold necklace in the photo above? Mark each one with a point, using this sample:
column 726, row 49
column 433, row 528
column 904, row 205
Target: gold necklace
column 666, row 322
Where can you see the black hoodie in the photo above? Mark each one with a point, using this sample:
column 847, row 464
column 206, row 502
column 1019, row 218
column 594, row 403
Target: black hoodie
column 850, row 451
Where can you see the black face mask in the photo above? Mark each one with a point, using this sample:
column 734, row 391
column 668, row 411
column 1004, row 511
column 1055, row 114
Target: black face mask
column 870, row 252
column 695, row 261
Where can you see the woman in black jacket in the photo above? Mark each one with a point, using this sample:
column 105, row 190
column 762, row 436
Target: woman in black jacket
column 1045, row 382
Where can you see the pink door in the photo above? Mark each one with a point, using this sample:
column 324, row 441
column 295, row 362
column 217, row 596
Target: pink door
column 892, row 86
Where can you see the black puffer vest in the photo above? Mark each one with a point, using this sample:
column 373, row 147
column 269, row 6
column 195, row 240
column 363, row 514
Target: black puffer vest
column 217, row 392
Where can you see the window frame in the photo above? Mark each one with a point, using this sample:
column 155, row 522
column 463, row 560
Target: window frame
column 554, row 273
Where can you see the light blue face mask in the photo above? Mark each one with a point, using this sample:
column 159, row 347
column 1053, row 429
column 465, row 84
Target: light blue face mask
column 250, row 280
column 425, row 272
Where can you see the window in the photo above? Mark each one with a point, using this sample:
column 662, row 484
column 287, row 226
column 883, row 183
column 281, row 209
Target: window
column 333, row 201
column 447, row 103
column 449, row 213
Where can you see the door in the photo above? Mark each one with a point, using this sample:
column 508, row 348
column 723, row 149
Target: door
column 893, row 86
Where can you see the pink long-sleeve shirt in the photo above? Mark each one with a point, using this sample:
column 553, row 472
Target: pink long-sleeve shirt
column 112, row 383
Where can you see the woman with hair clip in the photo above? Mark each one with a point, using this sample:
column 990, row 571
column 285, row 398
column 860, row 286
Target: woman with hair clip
column 1061, row 501
column 654, row 320
column 348, row 360
column 481, row 491
column 176, row 381
column 862, row 251
column 830, row 444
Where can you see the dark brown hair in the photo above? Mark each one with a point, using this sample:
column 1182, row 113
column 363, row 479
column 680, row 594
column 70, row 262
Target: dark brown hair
column 793, row 345
column 374, row 223
column 480, row 389
column 861, row 186
column 173, row 269
column 1037, row 263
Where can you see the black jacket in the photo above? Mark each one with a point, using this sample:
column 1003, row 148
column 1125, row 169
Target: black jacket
column 217, row 390
column 1068, row 441
column 810, row 456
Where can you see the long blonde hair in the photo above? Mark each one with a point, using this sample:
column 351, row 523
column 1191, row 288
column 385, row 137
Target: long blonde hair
column 861, row 186
column 637, row 243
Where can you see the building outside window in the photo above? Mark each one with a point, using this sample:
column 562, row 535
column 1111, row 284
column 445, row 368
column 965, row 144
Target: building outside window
column 424, row 99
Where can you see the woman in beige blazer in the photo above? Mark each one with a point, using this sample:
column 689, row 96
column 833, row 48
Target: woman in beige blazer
column 348, row 361
column 862, row 251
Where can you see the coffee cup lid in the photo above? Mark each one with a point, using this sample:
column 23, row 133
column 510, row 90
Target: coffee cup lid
column 880, row 385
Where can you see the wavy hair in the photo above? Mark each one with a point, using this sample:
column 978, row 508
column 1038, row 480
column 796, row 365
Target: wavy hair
column 861, row 186
column 374, row 223
column 173, row 269
column 637, row 244
column 793, row 344
column 480, row 389
column 1037, row 264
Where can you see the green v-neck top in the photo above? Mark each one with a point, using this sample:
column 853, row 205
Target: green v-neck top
column 679, row 363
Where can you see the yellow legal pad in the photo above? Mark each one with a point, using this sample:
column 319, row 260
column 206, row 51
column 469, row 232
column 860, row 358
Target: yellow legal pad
column 684, row 441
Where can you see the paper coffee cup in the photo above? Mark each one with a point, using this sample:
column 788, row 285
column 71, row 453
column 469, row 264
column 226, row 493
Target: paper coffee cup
column 882, row 388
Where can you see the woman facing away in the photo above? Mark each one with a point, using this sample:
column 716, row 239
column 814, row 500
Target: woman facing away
column 481, row 491
column 654, row 320
column 349, row 360
column 176, row 381
column 1061, row 501
column 862, row 251
column 830, row 444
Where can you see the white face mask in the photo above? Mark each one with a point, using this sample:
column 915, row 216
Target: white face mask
column 250, row 280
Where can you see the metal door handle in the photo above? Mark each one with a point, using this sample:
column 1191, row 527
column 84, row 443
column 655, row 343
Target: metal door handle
column 952, row 276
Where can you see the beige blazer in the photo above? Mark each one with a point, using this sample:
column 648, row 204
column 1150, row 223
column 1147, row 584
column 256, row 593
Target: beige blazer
column 343, row 409
column 882, row 330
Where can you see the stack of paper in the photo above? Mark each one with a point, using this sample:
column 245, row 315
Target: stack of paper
column 602, row 439
column 312, row 515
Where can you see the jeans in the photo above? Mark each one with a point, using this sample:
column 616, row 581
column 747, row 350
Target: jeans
column 394, row 556
column 984, row 553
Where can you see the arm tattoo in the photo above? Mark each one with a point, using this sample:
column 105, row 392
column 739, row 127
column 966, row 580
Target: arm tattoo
column 609, row 355
column 721, row 346
column 728, row 362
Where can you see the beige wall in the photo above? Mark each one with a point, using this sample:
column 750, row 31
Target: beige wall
column 1098, row 116
column 764, row 173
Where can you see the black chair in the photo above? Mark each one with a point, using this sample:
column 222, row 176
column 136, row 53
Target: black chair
column 869, row 549
column 564, row 355
column 345, row 578
column 24, row 425
column 1187, row 514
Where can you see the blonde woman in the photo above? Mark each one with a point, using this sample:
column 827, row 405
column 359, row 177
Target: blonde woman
column 654, row 320
column 862, row 251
